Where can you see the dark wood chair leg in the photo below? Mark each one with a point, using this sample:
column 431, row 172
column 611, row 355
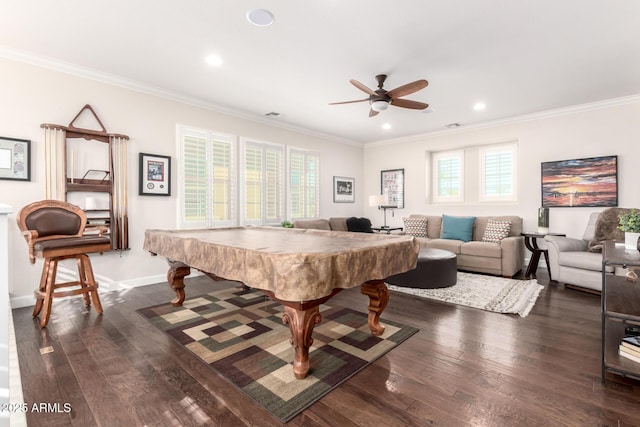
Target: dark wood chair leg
column 91, row 283
column 82, row 280
column 48, row 292
column 41, row 288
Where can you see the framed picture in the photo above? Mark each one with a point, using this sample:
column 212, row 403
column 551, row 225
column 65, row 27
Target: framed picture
column 392, row 185
column 15, row 159
column 580, row 182
column 344, row 189
column 155, row 175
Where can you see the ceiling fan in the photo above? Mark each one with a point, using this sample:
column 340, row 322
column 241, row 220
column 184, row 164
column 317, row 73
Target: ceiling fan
column 380, row 99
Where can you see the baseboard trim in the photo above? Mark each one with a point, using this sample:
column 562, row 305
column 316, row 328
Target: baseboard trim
column 106, row 285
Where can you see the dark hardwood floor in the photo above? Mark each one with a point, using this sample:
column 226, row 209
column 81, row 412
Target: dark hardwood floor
column 464, row 367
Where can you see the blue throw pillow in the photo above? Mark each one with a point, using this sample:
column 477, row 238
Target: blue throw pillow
column 457, row 227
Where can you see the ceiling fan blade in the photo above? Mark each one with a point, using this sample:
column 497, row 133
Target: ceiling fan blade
column 408, row 89
column 362, row 87
column 348, row 102
column 407, row 103
column 372, row 113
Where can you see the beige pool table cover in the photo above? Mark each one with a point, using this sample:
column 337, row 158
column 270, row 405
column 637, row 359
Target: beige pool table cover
column 294, row 264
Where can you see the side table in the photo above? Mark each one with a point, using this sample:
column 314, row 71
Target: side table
column 531, row 243
column 387, row 230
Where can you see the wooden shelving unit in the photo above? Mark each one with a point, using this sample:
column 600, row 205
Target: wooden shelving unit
column 620, row 308
column 112, row 181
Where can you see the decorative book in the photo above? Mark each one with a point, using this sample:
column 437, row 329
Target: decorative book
column 629, row 349
column 633, row 340
column 628, row 355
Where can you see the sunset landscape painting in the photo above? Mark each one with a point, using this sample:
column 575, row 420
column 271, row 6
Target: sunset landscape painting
column 580, row 182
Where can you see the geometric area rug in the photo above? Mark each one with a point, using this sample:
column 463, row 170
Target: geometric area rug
column 490, row 293
column 240, row 335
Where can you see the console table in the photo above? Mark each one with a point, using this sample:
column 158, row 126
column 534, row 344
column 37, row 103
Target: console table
column 620, row 301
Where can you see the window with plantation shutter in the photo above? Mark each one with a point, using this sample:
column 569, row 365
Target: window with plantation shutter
column 263, row 183
column 498, row 173
column 207, row 185
column 304, row 184
column 491, row 171
column 448, row 179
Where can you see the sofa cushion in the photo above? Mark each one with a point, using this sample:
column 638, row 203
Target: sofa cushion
column 481, row 224
column 316, row 224
column 434, row 224
column 359, row 225
column 482, row 249
column 457, row 227
column 446, row 244
column 416, row 227
column 338, row 224
column 582, row 260
column 496, row 230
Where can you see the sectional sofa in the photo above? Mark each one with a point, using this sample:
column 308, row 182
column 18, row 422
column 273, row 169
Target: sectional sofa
column 484, row 250
column 335, row 224
column 490, row 246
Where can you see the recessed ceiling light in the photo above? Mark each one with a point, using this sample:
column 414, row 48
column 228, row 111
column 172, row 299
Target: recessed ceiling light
column 452, row 125
column 272, row 114
column 213, row 60
column 260, row 17
column 479, row 106
column 386, row 126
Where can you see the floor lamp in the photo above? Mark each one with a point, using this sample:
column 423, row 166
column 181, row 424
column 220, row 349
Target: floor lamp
column 381, row 201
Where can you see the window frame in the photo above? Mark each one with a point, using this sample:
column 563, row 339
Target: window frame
column 210, row 137
column 307, row 189
column 435, row 185
column 487, row 150
column 281, row 198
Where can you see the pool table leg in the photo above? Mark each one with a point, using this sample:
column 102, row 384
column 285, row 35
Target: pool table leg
column 378, row 295
column 301, row 324
column 175, row 276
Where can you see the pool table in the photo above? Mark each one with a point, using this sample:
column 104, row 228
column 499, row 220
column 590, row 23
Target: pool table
column 299, row 268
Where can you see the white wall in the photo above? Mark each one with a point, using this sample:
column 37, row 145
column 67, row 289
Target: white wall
column 33, row 95
column 591, row 131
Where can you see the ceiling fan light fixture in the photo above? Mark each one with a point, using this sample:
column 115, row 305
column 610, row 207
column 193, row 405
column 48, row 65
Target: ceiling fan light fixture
column 379, row 105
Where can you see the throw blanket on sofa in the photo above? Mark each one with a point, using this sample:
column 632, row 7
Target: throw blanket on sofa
column 607, row 228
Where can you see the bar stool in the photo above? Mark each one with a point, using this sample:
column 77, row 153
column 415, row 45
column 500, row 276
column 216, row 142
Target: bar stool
column 55, row 231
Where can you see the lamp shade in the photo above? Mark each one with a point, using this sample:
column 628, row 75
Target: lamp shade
column 377, row 200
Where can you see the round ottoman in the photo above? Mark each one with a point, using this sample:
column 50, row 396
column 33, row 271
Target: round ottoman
column 436, row 268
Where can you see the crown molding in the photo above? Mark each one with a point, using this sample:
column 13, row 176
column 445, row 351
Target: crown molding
column 114, row 80
column 574, row 109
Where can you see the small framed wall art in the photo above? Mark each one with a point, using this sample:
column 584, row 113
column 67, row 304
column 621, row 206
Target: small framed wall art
column 392, row 185
column 15, row 159
column 344, row 189
column 155, row 175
